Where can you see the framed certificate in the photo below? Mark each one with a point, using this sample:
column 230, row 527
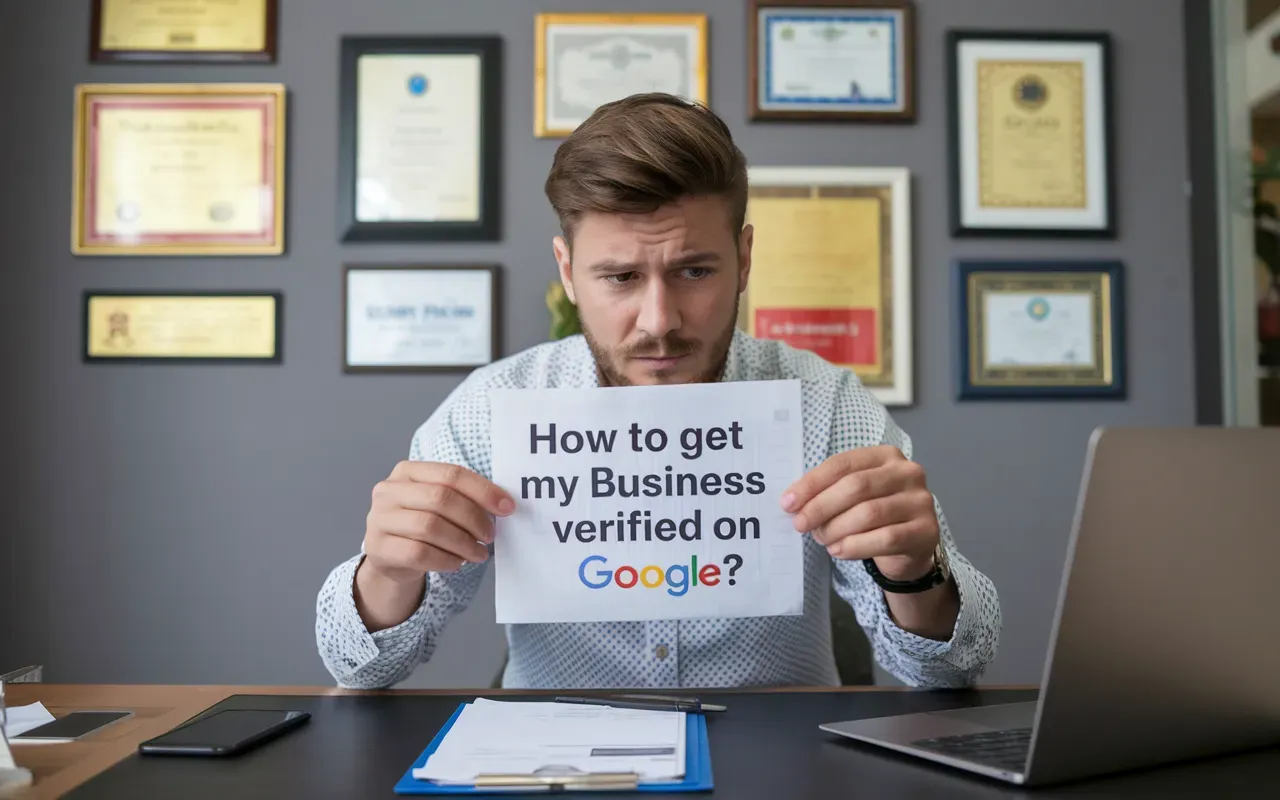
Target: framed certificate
column 831, row 59
column 1031, row 134
column 583, row 61
column 179, row 169
column 182, row 327
column 231, row 31
column 420, row 141
column 831, row 269
column 411, row 318
column 1040, row 329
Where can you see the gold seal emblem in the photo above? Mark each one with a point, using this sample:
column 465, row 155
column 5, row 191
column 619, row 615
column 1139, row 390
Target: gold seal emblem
column 1030, row 92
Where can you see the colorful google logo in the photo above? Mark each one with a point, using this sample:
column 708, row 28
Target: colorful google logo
column 678, row 578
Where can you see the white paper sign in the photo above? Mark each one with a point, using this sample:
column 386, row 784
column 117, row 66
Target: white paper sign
column 647, row 502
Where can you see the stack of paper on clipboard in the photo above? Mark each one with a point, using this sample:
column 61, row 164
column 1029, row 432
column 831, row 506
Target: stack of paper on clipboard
column 490, row 744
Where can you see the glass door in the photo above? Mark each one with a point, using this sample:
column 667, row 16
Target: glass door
column 1237, row 82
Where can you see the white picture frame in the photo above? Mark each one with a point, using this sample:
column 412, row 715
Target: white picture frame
column 890, row 378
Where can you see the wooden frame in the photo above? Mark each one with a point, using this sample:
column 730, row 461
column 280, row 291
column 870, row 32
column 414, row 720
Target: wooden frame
column 277, row 333
column 890, row 375
column 1101, row 280
column 546, row 128
column 92, row 100
column 1087, row 209
column 903, row 10
column 495, row 317
column 269, row 53
column 487, row 225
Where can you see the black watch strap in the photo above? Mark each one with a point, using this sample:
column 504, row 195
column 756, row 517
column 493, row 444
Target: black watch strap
column 934, row 577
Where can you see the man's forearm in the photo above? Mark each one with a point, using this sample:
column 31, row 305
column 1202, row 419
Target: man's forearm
column 383, row 602
column 930, row 614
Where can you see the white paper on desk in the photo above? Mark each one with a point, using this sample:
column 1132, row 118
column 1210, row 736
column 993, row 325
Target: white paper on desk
column 492, row 736
column 21, row 719
column 614, row 525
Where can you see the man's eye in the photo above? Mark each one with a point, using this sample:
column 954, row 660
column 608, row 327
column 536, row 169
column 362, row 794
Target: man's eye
column 619, row 278
column 697, row 272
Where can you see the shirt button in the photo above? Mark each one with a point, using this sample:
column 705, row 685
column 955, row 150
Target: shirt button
column 660, row 651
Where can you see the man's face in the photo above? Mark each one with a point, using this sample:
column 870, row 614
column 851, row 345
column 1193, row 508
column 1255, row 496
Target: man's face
column 658, row 293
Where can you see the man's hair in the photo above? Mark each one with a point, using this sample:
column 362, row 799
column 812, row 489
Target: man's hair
column 641, row 152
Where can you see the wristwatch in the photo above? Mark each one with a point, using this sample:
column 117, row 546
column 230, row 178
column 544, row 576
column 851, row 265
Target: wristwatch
column 940, row 574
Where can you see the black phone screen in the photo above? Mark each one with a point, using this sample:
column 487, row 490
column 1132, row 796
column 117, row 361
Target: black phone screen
column 73, row 725
column 225, row 732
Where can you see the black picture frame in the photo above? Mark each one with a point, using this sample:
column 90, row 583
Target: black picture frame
column 495, row 328
column 1050, row 273
column 1108, row 229
column 270, row 53
column 277, row 357
column 488, row 227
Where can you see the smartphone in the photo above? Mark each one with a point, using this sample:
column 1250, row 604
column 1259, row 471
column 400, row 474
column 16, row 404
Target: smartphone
column 224, row 733
column 73, row 726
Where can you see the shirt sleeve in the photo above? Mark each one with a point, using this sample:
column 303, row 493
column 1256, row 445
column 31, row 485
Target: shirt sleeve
column 915, row 660
column 358, row 659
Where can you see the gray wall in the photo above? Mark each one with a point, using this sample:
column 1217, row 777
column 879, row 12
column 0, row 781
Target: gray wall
column 172, row 524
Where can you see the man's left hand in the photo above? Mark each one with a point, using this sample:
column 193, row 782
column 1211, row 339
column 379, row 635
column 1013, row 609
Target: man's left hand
column 869, row 503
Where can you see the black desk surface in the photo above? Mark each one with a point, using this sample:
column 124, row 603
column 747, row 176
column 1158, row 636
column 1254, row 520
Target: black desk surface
column 767, row 745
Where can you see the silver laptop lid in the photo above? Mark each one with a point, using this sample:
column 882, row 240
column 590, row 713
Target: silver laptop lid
column 1166, row 641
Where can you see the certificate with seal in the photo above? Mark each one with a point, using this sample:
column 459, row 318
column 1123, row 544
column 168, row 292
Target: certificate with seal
column 831, row 59
column 410, row 318
column 831, row 269
column 1040, row 329
column 179, row 169
column 420, row 143
column 153, row 326
column 1031, row 134
column 232, row 31
column 585, row 60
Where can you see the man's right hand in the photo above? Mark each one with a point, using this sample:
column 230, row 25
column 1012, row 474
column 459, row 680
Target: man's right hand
column 425, row 517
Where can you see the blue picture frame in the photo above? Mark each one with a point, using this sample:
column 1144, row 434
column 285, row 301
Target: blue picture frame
column 1103, row 376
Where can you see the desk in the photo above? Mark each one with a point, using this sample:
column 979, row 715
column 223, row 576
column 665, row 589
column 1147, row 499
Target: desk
column 359, row 743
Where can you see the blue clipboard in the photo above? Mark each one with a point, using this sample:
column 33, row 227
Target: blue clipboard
column 697, row 771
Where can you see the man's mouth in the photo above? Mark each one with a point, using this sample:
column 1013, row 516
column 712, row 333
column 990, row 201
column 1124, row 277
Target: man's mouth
column 664, row 361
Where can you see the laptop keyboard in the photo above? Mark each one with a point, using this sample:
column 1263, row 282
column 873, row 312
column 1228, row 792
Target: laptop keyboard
column 1005, row 748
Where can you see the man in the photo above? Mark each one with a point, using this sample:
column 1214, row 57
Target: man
column 651, row 194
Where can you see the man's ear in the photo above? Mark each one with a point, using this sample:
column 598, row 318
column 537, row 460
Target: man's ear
column 561, row 249
column 745, row 239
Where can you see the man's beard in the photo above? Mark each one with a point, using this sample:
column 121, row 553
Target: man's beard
column 608, row 365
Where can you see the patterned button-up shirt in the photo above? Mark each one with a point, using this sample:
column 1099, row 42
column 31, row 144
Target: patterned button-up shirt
column 839, row 414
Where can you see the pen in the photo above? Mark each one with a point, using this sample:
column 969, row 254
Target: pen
column 646, row 703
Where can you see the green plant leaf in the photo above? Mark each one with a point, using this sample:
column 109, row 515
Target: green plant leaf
column 564, row 314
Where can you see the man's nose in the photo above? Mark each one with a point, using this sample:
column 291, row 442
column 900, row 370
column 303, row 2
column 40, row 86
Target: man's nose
column 658, row 313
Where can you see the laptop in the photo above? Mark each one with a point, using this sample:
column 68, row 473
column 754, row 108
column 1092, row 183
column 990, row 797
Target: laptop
column 1165, row 645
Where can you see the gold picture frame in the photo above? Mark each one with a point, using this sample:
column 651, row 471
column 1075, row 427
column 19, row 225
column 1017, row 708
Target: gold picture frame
column 558, row 116
column 182, row 327
column 140, row 149
column 201, row 32
column 831, row 269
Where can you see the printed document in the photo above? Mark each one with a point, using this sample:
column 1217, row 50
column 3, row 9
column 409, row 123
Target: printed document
column 528, row 738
